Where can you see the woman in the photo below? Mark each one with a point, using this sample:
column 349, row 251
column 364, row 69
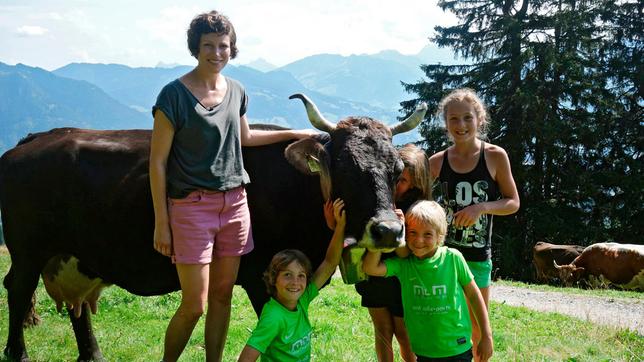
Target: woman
column 197, row 181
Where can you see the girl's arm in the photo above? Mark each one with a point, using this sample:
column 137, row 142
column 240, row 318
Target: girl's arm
column 255, row 137
column 509, row 204
column 249, row 354
column 372, row 265
column 334, row 251
column 162, row 136
column 486, row 346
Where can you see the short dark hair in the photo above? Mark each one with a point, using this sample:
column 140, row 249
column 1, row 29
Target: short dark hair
column 211, row 22
column 279, row 262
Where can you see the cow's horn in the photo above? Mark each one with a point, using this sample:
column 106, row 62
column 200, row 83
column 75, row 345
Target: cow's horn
column 555, row 264
column 412, row 121
column 315, row 117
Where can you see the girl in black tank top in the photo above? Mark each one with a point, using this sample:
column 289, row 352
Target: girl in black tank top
column 459, row 190
column 471, row 198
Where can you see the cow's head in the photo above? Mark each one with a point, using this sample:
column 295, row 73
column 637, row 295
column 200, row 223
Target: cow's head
column 360, row 165
column 569, row 274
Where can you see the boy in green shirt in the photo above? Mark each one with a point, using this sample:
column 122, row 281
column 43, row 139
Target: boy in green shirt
column 436, row 286
column 283, row 332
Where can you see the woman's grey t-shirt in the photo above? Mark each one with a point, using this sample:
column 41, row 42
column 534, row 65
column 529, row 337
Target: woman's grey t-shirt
column 206, row 149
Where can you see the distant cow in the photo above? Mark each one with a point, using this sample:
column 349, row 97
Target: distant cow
column 76, row 207
column 619, row 264
column 543, row 255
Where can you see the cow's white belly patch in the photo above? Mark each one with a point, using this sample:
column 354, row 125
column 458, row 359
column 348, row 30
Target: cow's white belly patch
column 65, row 283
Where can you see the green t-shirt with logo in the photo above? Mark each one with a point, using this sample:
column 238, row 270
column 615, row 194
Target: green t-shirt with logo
column 282, row 335
column 434, row 302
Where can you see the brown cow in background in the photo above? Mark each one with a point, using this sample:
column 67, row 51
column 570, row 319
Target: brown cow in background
column 618, row 264
column 544, row 254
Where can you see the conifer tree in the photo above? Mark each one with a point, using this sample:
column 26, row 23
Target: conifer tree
column 563, row 85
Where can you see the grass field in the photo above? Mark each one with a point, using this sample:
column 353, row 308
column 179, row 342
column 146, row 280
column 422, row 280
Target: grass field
column 131, row 328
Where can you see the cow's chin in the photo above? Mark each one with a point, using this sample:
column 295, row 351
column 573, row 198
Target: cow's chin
column 386, row 250
column 351, row 241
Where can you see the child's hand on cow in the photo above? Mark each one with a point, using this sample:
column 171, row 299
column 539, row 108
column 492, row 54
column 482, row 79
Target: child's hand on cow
column 339, row 215
column 328, row 214
column 401, row 215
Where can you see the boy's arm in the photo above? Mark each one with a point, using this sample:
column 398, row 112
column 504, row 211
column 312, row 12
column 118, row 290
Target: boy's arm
column 372, row 265
column 334, row 251
column 486, row 346
column 249, row 354
column 403, row 252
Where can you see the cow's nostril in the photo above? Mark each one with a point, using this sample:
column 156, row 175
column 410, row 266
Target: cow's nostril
column 386, row 232
column 378, row 230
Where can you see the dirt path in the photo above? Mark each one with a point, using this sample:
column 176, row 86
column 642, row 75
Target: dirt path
column 617, row 312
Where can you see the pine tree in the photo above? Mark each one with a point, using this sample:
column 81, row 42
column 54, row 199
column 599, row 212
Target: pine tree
column 563, row 85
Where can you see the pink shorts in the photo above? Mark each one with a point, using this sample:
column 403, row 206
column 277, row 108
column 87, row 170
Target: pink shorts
column 206, row 219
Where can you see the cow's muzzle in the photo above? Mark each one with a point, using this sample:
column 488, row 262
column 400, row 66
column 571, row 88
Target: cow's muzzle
column 383, row 235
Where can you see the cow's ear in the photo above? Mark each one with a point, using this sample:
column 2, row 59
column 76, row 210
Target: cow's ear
column 310, row 157
column 307, row 155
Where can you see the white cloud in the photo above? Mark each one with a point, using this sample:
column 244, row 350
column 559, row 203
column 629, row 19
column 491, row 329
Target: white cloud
column 333, row 26
column 48, row 16
column 169, row 25
column 29, row 30
column 83, row 56
column 146, row 32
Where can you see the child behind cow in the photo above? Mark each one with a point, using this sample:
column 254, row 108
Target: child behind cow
column 436, row 285
column 283, row 332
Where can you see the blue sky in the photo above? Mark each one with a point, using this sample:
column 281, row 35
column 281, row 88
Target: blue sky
column 53, row 33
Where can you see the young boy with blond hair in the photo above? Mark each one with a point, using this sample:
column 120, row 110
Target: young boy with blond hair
column 436, row 286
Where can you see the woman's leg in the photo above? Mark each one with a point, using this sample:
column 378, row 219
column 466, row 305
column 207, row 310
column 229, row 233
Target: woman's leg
column 400, row 331
column 194, row 293
column 383, row 330
column 223, row 273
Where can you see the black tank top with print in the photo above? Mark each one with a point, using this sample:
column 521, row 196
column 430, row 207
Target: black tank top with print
column 459, row 190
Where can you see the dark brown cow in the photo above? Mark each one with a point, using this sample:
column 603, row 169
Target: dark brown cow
column 619, row 264
column 76, row 205
column 543, row 255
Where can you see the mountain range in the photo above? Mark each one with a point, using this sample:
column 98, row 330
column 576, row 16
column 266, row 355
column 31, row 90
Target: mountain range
column 113, row 96
column 33, row 100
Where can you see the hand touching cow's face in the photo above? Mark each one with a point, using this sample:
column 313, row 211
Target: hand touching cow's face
column 359, row 165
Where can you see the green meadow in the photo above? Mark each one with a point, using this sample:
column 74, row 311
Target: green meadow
column 131, row 328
